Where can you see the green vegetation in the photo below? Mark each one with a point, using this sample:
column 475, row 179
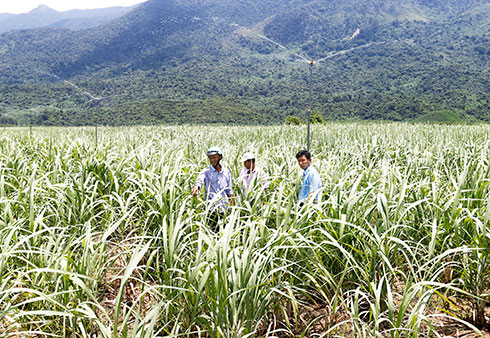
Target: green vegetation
column 186, row 62
column 294, row 120
column 107, row 240
column 440, row 116
column 315, row 119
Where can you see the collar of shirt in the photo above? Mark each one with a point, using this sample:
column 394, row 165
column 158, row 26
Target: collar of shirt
column 246, row 171
column 307, row 170
column 214, row 169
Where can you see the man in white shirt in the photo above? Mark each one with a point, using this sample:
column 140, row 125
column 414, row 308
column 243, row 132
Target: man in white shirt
column 250, row 174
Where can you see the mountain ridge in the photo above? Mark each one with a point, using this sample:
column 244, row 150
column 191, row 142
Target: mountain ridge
column 171, row 58
column 44, row 16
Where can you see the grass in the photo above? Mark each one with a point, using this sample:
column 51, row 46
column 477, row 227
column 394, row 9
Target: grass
column 107, row 241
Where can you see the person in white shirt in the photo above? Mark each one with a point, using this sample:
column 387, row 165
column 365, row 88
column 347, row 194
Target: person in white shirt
column 250, row 174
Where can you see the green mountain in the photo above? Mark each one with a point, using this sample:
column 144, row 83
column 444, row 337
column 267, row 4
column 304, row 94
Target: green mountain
column 230, row 61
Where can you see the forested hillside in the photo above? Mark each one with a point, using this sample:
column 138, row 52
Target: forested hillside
column 195, row 61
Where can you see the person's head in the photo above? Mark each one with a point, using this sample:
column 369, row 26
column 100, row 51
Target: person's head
column 215, row 155
column 304, row 159
column 248, row 160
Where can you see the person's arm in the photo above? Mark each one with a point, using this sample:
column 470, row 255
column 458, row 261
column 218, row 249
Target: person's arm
column 241, row 179
column 316, row 182
column 229, row 190
column 199, row 182
column 316, row 186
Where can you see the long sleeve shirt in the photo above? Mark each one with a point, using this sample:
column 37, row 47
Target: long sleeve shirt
column 247, row 179
column 218, row 187
column 312, row 184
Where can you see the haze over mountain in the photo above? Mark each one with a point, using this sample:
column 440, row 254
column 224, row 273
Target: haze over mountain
column 181, row 61
column 43, row 16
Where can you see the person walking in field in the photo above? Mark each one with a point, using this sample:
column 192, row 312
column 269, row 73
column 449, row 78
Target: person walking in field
column 311, row 186
column 250, row 174
column 218, row 190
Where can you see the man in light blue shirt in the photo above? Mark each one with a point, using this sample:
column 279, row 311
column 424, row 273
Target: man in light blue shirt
column 312, row 183
column 217, row 182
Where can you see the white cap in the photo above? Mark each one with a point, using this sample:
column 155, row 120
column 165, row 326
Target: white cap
column 248, row 156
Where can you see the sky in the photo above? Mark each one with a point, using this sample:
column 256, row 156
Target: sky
column 24, row 6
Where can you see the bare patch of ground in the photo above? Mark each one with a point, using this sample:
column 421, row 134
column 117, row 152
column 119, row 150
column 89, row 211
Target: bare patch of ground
column 132, row 293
